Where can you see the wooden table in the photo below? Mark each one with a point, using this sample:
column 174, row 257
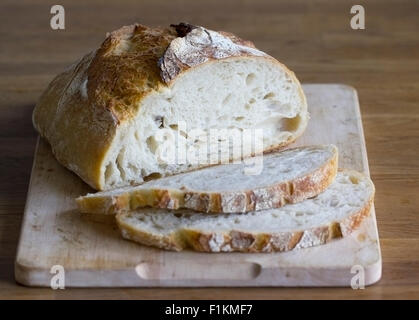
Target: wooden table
column 313, row 38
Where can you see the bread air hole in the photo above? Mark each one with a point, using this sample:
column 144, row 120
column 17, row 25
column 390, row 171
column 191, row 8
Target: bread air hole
column 354, row 179
column 269, row 95
column 120, row 161
column 334, row 202
column 250, row 79
column 152, row 176
column 336, row 231
column 152, row 144
column 108, row 171
column 226, row 100
column 277, row 106
column 290, row 124
column 257, row 92
column 159, row 120
column 176, row 128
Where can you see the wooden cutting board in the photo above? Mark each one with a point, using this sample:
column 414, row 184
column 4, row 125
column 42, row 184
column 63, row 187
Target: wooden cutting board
column 93, row 253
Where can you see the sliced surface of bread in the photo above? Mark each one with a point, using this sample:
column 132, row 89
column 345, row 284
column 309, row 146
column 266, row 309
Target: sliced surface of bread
column 289, row 176
column 335, row 213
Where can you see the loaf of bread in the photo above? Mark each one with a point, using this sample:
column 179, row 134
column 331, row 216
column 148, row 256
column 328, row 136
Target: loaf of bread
column 335, row 213
column 285, row 177
column 109, row 116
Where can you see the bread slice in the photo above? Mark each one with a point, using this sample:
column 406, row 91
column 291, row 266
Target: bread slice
column 112, row 115
column 286, row 177
column 334, row 213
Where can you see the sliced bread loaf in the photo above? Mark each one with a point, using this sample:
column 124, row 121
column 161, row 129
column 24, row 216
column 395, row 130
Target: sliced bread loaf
column 110, row 116
column 332, row 214
column 286, row 177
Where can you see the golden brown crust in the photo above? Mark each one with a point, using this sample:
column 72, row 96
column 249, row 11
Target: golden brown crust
column 273, row 196
column 80, row 128
column 68, row 122
column 125, row 68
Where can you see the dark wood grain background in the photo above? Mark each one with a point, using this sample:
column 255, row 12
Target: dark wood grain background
column 313, row 38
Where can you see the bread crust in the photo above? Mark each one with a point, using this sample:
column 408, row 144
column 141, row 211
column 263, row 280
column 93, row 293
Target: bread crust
column 273, row 196
column 82, row 109
column 198, row 46
column 240, row 241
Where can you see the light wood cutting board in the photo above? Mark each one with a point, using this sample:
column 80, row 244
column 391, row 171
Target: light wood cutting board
column 93, row 253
